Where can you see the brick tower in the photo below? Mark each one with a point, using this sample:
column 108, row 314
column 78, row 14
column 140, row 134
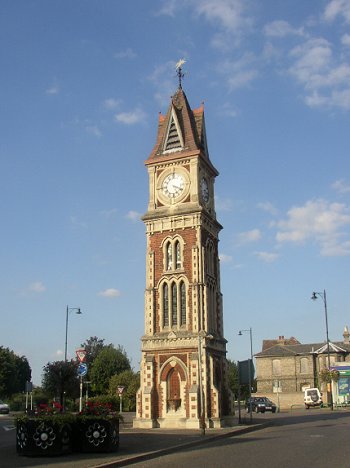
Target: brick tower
column 183, row 367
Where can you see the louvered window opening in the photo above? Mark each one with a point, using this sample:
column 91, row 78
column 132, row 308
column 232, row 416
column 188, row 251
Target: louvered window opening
column 173, row 140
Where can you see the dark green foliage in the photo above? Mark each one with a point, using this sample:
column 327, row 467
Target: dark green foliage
column 92, row 347
column 14, row 372
column 233, row 376
column 59, row 378
column 108, row 362
column 130, row 380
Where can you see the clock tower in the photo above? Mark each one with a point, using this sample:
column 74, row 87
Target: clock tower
column 184, row 381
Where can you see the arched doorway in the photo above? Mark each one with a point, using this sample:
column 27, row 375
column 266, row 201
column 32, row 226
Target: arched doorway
column 173, row 390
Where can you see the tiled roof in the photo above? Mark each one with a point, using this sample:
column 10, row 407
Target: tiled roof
column 299, row 349
column 282, row 340
column 181, row 132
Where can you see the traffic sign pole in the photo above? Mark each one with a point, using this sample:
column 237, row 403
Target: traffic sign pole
column 82, row 370
column 120, row 390
column 81, row 395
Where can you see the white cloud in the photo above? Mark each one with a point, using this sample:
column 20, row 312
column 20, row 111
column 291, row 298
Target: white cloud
column 59, row 353
column 225, row 258
column 341, row 186
column 223, row 204
column 320, row 221
column 267, row 257
column 54, row 89
column 110, row 292
column 326, row 82
column 161, row 77
column 76, row 223
column 249, row 236
column 130, row 118
column 345, row 40
column 312, row 58
column 94, row 130
column 168, row 8
column 228, row 14
column 127, row 53
column 109, row 214
column 229, row 17
column 111, row 103
column 268, row 207
column 133, row 215
column 337, row 8
column 281, row 28
column 227, row 110
column 239, row 73
column 37, row 287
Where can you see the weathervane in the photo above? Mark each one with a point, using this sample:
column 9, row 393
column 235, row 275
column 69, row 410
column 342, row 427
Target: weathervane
column 179, row 73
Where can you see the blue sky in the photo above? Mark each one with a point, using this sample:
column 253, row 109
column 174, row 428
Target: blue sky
column 81, row 86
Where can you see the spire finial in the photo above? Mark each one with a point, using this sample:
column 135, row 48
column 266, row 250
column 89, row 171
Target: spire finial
column 179, row 73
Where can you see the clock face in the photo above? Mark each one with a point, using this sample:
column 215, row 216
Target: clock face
column 205, row 190
column 173, row 185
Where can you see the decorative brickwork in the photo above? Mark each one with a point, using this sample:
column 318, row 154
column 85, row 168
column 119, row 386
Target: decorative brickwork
column 183, row 367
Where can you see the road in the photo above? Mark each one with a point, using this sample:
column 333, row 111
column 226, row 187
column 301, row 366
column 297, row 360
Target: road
column 315, row 438
column 306, row 440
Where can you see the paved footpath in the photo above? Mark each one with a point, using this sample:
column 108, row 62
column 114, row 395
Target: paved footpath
column 135, row 445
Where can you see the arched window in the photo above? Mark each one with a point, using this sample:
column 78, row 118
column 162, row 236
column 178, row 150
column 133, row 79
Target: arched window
column 173, row 254
column 178, row 254
column 165, row 305
column 304, row 365
column 182, row 303
column 174, row 304
column 169, row 256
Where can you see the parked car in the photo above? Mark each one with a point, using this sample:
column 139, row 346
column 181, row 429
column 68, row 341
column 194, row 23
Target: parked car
column 312, row 397
column 4, row 408
column 260, row 405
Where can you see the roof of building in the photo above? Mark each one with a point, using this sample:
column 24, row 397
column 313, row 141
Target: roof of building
column 281, row 340
column 282, row 350
column 181, row 132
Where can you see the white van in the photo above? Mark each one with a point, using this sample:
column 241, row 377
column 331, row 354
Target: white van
column 312, row 397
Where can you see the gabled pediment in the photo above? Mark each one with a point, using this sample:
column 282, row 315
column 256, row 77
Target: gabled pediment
column 174, row 138
column 333, row 348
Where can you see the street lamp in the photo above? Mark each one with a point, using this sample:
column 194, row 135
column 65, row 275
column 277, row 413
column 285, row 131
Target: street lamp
column 202, row 334
column 78, row 312
column 250, row 363
column 323, row 296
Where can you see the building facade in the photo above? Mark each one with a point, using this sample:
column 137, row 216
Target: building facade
column 285, row 370
column 183, row 368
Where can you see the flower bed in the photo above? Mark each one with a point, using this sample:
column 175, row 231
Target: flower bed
column 44, row 436
column 51, row 433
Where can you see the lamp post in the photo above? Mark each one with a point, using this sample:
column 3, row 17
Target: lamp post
column 78, row 312
column 323, row 296
column 201, row 335
column 250, row 362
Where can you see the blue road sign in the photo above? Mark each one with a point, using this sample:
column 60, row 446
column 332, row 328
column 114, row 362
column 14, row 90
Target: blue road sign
column 82, row 369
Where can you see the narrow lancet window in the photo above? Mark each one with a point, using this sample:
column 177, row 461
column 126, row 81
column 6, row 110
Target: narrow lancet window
column 165, row 305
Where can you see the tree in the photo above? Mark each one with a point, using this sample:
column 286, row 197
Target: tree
column 14, row 372
column 92, row 347
column 130, row 380
column 60, row 378
column 108, row 362
column 233, row 376
column 233, row 381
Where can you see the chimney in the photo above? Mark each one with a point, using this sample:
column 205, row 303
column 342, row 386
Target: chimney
column 346, row 335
